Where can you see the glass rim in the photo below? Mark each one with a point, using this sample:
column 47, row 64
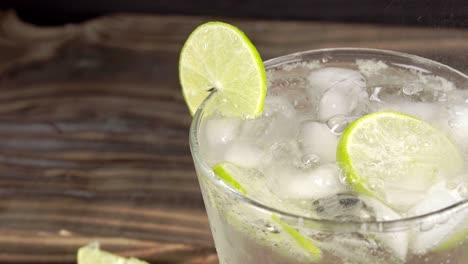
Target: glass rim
column 330, row 224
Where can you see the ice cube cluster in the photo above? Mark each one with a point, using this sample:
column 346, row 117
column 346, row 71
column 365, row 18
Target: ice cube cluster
column 293, row 144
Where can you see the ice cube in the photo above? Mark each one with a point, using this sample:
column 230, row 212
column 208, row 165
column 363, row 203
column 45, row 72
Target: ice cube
column 220, row 131
column 243, row 154
column 215, row 134
column 335, row 102
column 347, row 207
column 294, row 183
column 316, row 138
column 403, row 199
column 352, row 247
column 339, row 90
column 337, row 124
column 279, row 104
column 436, row 229
column 341, row 79
column 396, row 241
column 278, row 123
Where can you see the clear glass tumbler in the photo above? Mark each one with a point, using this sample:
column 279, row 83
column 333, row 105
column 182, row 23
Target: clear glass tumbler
column 246, row 231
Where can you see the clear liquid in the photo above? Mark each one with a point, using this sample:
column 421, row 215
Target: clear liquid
column 292, row 148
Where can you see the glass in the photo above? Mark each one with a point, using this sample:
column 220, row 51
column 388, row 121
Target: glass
column 245, row 231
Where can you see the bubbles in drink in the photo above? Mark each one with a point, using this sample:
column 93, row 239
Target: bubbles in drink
column 338, row 123
column 412, row 89
column 271, row 228
column 309, row 161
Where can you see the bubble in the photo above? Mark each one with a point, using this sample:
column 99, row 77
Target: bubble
column 462, row 189
column 308, row 161
column 441, row 97
column 376, row 183
column 454, row 123
column 412, row 89
column 271, row 228
column 457, row 110
column 338, row 123
column 342, row 177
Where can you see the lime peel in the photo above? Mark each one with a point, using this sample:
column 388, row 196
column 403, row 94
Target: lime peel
column 303, row 241
column 221, row 169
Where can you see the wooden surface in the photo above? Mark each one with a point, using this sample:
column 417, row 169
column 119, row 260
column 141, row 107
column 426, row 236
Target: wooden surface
column 94, row 130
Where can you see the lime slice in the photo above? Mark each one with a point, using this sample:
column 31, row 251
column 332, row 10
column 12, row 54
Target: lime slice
column 303, row 241
column 93, row 255
column 288, row 241
column 225, row 170
column 218, row 56
column 388, row 154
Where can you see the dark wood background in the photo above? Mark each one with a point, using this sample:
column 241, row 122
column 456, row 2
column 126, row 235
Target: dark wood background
column 94, row 129
column 431, row 13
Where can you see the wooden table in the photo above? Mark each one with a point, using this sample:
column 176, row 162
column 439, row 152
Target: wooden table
column 94, row 130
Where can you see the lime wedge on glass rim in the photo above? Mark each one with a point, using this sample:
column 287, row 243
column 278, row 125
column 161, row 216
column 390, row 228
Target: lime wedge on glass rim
column 91, row 254
column 385, row 153
column 218, row 56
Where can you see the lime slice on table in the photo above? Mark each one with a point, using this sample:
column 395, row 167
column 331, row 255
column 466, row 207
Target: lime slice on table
column 218, row 56
column 386, row 154
column 288, row 239
column 93, row 255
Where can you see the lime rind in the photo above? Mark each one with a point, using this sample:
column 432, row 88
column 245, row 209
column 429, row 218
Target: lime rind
column 220, row 56
column 221, row 170
column 301, row 240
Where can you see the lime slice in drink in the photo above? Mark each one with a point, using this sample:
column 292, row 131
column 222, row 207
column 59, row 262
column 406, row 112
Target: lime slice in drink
column 218, row 56
column 226, row 170
column 93, row 255
column 289, row 238
column 389, row 154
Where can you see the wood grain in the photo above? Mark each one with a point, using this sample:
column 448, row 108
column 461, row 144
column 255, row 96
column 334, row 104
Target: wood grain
column 94, row 130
